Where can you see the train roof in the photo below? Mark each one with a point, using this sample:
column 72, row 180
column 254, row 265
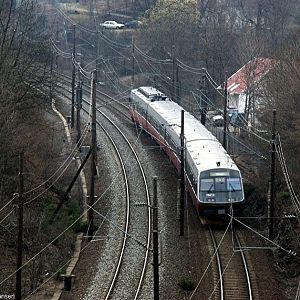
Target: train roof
column 205, row 149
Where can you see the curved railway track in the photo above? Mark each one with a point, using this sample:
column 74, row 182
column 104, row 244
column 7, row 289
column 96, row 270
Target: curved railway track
column 128, row 163
column 234, row 280
column 135, row 237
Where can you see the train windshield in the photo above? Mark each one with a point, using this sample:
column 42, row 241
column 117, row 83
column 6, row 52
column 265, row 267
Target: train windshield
column 234, row 184
column 207, row 185
column 220, row 184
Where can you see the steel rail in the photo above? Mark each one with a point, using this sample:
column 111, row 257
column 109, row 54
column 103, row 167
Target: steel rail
column 246, row 269
column 216, row 250
column 148, row 206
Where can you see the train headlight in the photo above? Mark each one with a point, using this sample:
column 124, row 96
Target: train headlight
column 231, row 199
column 210, row 199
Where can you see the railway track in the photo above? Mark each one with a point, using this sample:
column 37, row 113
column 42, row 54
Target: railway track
column 130, row 269
column 234, row 279
column 129, row 256
column 106, row 99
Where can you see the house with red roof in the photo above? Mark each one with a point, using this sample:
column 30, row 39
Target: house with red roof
column 245, row 87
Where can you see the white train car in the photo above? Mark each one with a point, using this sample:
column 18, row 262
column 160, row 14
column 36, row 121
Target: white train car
column 212, row 178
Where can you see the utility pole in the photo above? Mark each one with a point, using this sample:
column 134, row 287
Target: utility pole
column 57, row 40
column 177, row 83
column 182, row 187
column 93, row 160
column 173, row 72
column 97, row 56
column 73, row 78
column 51, row 78
column 132, row 75
column 225, row 114
column 56, row 29
column 78, row 109
column 155, row 241
column 20, row 231
column 272, row 183
column 203, row 93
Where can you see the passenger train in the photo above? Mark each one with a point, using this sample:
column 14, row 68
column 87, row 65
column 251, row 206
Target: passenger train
column 212, row 178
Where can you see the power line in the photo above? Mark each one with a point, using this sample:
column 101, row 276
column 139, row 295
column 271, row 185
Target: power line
column 70, row 157
column 282, row 162
column 7, row 203
column 59, row 176
column 74, row 222
column 211, row 260
column 7, row 215
column 265, row 238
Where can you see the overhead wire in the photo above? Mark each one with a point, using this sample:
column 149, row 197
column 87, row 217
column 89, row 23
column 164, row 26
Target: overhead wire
column 84, row 73
column 210, row 262
column 190, row 71
column 189, row 67
column 70, row 157
column 215, row 88
column 59, row 51
column 113, row 71
column 222, row 275
column 9, row 201
column 65, row 264
column 233, row 137
column 71, row 225
column 262, row 236
column 282, row 162
column 248, row 130
column 103, row 36
column 156, row 72
column 297, row 297
column 61, row 173
column 211, row 79
column 246, row 146
column 162, row 61
column 7, row 215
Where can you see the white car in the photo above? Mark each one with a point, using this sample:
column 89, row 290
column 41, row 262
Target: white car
column 218, row 121
column 112, row 25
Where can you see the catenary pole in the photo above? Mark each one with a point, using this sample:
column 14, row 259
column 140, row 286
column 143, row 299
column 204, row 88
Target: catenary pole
column 73, row 78
column 203, row 93
column 133, row 64
column 155, row 241
column 225, row 113
column 177, row 88
column 182, row 187
column 78, row 111
column 272, row 183
column 173, row 72
column 20, row 231
column 97, row 56
column 51, row 78
column 93, row 160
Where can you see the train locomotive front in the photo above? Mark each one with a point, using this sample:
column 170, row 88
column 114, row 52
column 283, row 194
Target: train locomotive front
column 220, row 192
